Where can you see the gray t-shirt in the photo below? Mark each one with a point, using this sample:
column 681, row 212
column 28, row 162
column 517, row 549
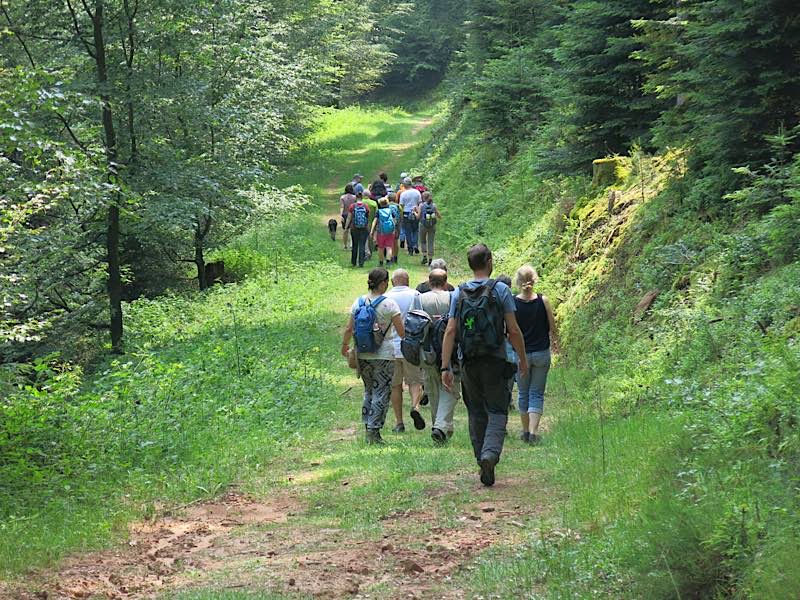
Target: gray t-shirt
column 409, row 200
column 385, row 312
column 502, row 294
column 435, row 302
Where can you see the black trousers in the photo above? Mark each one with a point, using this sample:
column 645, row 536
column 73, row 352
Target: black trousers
column 485, row 388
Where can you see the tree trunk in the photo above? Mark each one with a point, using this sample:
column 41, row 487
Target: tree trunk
column 200, row 233
column 200, row 261
column 114, row 286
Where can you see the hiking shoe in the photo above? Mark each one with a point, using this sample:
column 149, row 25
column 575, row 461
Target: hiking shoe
column 380, row 263
column 399, row 428
column 419, row 422
column 449, row 434
column 525, row 436
column 535, row 440
column 402, row 243
column 424, row 260
column 416, row 250
column 439, row 437
column 424, row 400
column 487, row 470
column 374, row 437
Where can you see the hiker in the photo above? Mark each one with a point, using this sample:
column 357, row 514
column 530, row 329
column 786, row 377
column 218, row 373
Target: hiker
column 535, row 317
column 436, row 263
column 371, row 318
column 383, row 230
column 398, row 190
column 409, row 200
column 481, row 311
column 404, row 371
column 345, row 202
column 357, row 186
column 394, row 204
column 372, row 204
column 436, row 303
column 358, row 225
column 419, row 184
column 511, row 356
column 378, row 188
column 428, row 215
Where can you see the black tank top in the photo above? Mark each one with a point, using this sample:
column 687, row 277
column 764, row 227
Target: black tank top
column 532, row 319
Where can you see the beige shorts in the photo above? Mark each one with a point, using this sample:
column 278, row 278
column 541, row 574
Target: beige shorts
column 405, row 371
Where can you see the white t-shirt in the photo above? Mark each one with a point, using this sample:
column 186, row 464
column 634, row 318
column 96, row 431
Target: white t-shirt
column 385, row 312
column 410, row 199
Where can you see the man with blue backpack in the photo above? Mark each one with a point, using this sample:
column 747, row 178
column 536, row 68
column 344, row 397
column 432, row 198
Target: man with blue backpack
column 358, row 226
column 482, row 313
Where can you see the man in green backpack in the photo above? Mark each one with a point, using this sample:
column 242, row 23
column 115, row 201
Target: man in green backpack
column 482, row 312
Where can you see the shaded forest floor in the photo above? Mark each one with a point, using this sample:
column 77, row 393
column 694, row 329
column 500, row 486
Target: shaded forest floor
column 324, row 515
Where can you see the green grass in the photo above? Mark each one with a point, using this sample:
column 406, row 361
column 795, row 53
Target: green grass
column 215, row 386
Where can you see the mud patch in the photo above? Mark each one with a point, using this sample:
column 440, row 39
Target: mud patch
column 162, row 554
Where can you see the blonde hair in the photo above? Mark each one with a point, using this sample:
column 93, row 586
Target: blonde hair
column 392, row 197
column 383, row 202
column 526, row 277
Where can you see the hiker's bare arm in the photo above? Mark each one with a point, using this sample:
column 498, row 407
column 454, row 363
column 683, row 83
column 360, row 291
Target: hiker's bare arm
column 438, row 214
column 448, row 343
column 516, row 339
column 397, row 321
column 553, row 328
column 374, row 225
column 349, row 219
column 348, row 335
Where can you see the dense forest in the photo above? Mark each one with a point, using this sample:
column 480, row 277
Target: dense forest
column 644, row 155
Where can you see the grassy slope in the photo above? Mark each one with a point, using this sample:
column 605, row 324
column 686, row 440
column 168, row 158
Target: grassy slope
column 680, row 430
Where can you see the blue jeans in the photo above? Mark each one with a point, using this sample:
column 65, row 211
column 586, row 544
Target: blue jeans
column 532, row 384
column 411, row 229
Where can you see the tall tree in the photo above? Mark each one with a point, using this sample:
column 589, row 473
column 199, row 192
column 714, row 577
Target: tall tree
column 733, row 67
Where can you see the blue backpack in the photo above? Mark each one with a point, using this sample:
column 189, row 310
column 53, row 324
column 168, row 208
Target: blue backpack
column 386, row 218
column 364, row 323
column 360, row 215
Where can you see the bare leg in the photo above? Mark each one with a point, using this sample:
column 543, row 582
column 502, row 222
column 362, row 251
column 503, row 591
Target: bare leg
column 397, row 403
column 523, row 416
column 534, row 420
column 416, row 394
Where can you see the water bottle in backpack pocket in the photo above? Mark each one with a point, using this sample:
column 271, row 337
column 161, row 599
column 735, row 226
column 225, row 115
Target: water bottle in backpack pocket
column 367, row 332
column 481, row 322
column 428, row 215
column 417, row 324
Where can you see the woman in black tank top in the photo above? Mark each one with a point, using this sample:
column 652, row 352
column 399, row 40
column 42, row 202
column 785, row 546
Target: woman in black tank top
column 535, row 318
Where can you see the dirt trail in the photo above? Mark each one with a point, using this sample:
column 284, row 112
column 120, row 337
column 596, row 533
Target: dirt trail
column 237, row 542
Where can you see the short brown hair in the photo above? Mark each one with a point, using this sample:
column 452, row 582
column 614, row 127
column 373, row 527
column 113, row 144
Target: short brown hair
column 479, row 256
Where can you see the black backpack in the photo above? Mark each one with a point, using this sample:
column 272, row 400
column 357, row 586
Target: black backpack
column 378, row 189
column 435, row 343
column 417, row 324
column 481, row 322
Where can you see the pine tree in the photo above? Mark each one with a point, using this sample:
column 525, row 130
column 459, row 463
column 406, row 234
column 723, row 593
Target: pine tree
column 599, row 90
column 730, row 70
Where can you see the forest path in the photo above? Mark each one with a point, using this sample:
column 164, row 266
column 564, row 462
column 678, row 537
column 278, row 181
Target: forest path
column 329, row 517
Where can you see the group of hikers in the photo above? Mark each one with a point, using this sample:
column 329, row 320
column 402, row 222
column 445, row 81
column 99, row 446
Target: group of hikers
column 443, row 342
column 384, row 219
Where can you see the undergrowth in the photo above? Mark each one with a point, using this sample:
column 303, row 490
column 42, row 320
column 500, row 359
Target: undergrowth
column 214, row 386
column 678, row 449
